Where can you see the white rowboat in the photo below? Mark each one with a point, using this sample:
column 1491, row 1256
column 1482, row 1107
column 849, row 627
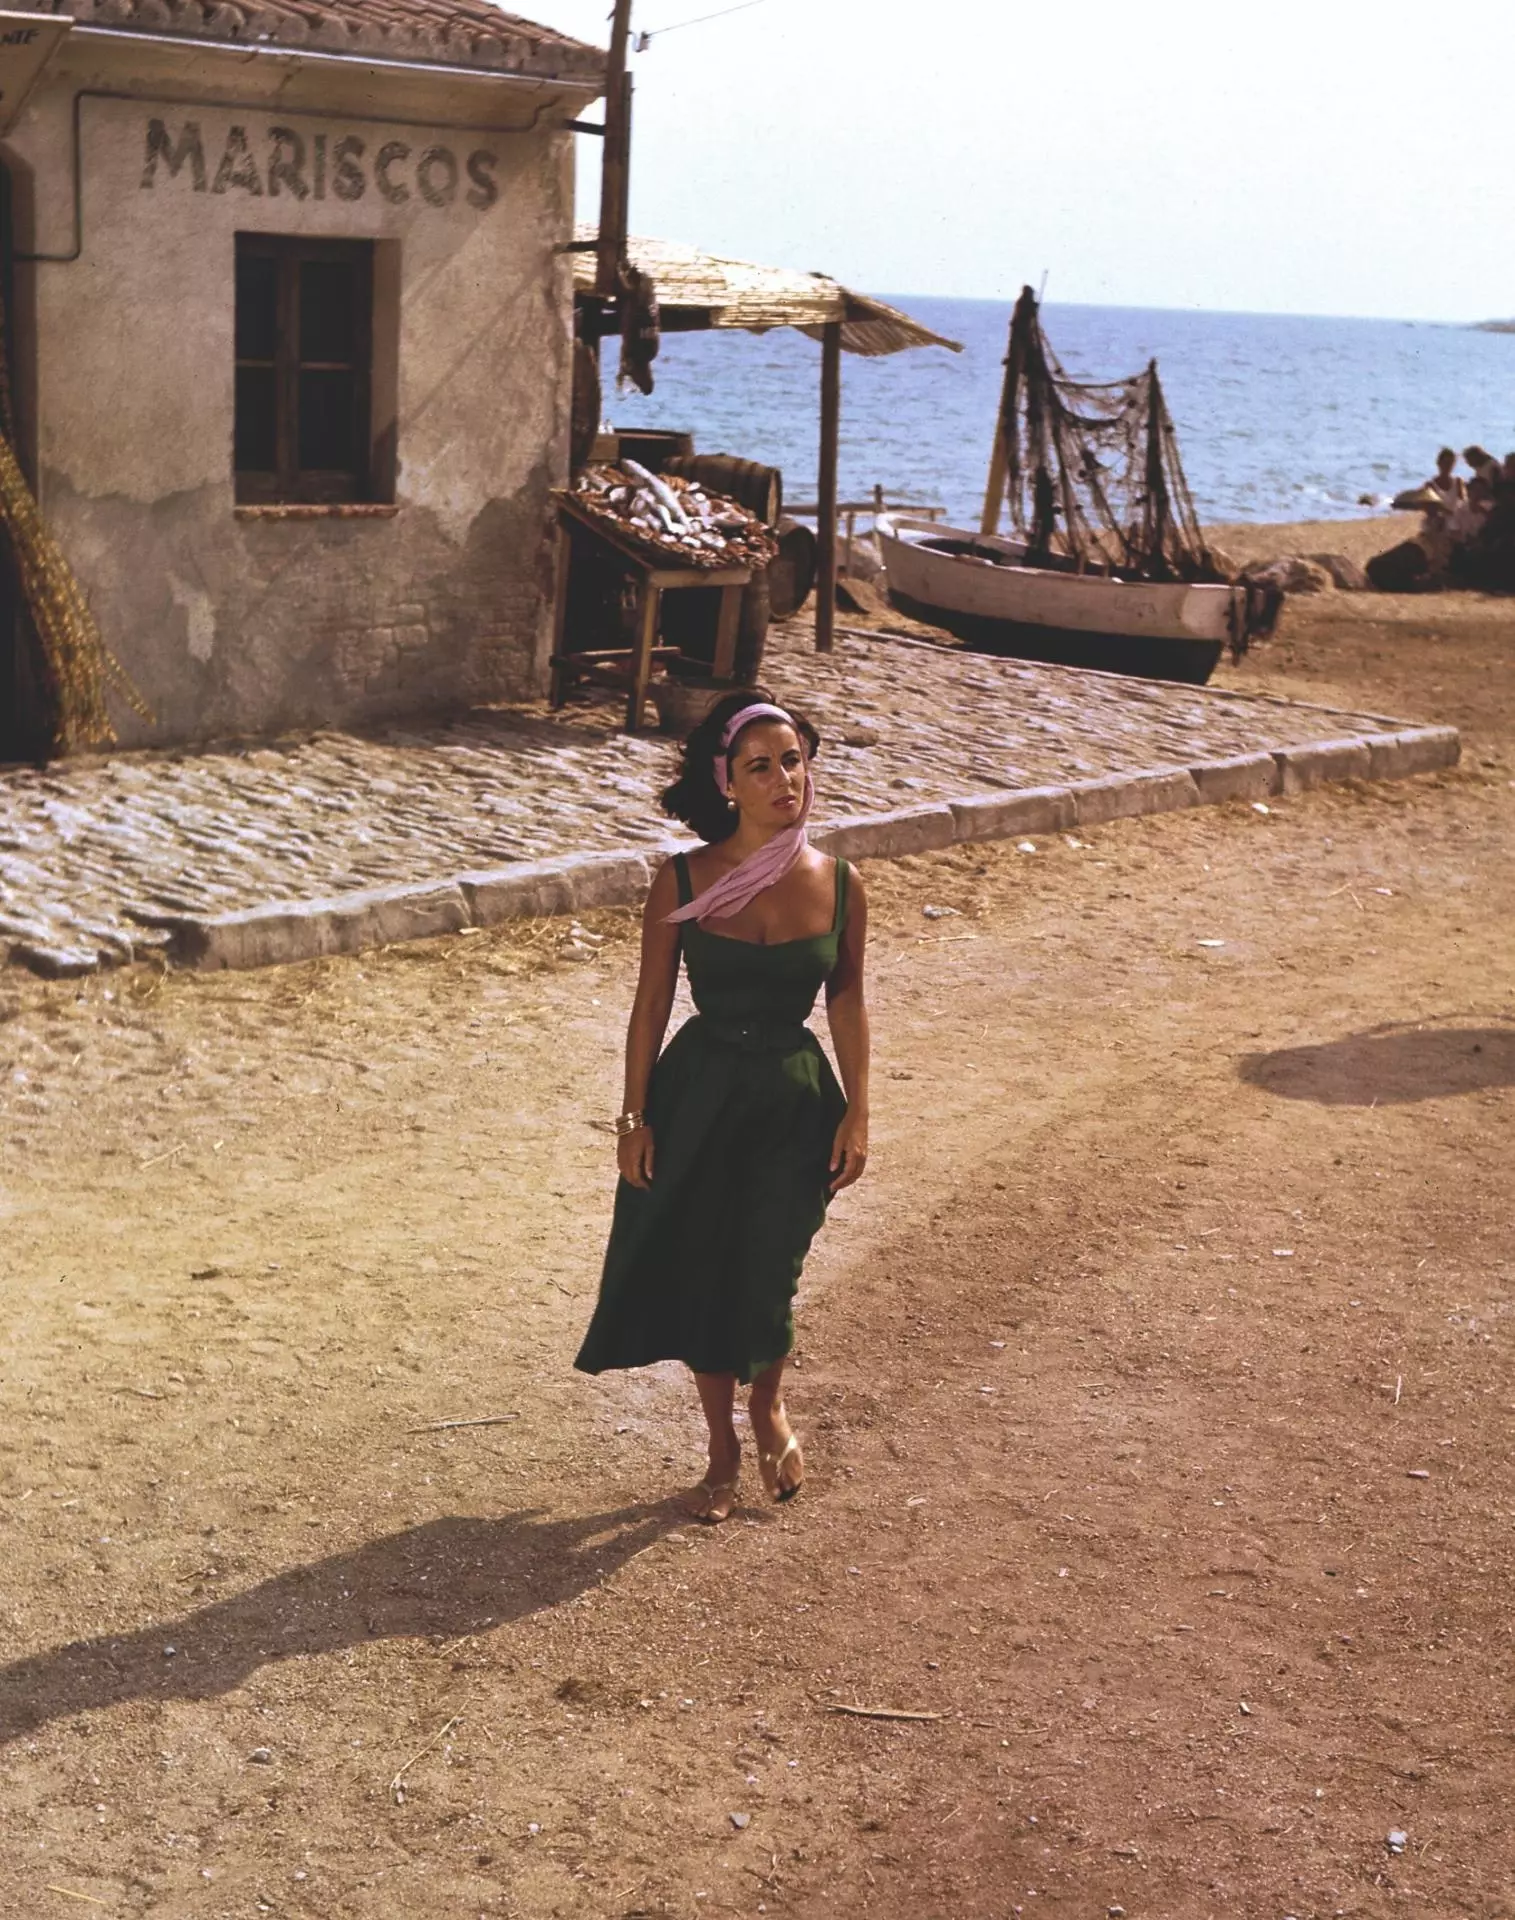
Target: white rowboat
column 975, row 585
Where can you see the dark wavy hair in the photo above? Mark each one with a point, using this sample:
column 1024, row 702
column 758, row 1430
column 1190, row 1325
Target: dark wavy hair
column 694, row 796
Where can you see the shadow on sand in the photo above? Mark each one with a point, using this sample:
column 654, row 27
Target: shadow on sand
column 448, row 1577
column 1388, row 1066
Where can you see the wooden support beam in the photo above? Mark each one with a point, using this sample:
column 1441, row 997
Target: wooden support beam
column 562, row 567
column 728, row 626
column 649, row 602
column 616, row 167
column 825, row 530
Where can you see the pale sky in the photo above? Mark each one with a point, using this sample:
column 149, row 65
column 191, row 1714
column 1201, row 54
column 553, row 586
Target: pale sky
column 1347, row 157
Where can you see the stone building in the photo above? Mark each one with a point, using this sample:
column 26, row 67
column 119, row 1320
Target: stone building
column 290, row 337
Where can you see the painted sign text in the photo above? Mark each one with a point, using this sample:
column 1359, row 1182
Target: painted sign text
column 319, row 166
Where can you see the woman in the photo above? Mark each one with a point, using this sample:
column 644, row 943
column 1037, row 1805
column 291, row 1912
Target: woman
column 1445, row 481
column 731, row 1143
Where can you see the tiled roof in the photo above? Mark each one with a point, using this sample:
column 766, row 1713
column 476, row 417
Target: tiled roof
column 466, row 33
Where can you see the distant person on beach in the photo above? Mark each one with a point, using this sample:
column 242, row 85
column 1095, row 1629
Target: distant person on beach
column 1420, row 565
column 1445, row 480
column 1480, row 495
column 1443, row 494
column 1486, row 557
column 1482, row 463
column 1451, row 548
column 733, row 1139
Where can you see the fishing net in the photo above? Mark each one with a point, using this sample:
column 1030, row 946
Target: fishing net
column 1091, row 468
column 80, row 668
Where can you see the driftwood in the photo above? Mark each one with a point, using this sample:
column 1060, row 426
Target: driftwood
column 484, row 1420
column 882, row 1713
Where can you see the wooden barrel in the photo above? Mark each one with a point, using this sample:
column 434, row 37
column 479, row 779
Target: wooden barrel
column 653, row 447
column 692, row 616
column 758, row 488
column 792, row 574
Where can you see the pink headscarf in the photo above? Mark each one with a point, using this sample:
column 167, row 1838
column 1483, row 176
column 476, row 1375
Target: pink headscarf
column 746, row 880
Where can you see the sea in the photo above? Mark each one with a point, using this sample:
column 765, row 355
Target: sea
column 1279, row 417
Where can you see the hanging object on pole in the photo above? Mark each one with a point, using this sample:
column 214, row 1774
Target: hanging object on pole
column 640, row 337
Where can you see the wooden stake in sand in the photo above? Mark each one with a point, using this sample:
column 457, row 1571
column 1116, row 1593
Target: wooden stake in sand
column 397, row 1785
column 485, row 1420
column 882, row 1713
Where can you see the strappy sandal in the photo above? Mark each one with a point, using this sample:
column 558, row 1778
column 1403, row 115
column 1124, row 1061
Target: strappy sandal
column 715, row 1491
column 771, row 1467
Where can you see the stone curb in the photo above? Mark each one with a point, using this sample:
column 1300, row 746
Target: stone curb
column 1300, row 768
column 1119, row 796
column 310, row 929
column 888, row 836
column 531, row 890
column 282, row 933
column 1246, row 776
column 1395, row 756
column 1001, row 816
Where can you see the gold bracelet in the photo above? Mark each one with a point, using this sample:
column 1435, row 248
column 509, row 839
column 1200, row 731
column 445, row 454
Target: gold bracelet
column 629, row 1123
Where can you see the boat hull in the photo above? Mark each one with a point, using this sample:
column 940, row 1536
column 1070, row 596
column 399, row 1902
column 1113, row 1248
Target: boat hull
column 1156, row 630
column 1150, row 658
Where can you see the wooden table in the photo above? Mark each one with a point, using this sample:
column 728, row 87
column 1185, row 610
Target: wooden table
column 632, row 667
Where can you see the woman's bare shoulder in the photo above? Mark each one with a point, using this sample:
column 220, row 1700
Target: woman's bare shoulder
column 828, row 865
column 822, row 865
column 663, row 893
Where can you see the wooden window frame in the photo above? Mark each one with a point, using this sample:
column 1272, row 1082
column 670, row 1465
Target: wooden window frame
column 290, row 484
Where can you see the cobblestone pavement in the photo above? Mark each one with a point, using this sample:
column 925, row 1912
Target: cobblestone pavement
column 91, row 848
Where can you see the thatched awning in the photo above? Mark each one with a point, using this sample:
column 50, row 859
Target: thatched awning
column 697, row 290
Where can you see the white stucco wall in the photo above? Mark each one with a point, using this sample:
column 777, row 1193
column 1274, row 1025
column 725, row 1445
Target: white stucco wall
column 232, row 624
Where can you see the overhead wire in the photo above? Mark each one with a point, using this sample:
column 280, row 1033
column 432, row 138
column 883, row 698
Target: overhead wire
column 643, row 40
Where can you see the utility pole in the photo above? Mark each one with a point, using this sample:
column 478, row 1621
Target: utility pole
column 825, row 524
column 615, row 175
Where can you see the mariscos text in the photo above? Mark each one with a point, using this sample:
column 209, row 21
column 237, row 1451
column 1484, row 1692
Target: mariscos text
column 306, row 165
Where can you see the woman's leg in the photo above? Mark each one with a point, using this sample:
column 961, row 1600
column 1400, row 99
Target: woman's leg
column 771, row 1430
column 716, row 1494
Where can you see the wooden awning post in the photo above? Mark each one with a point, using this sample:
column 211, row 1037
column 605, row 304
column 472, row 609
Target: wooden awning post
column 825, row 495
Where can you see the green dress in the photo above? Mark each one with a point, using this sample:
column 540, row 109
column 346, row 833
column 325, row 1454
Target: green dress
column 702, row 1266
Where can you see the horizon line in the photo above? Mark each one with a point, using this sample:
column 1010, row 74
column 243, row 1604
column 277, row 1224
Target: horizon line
column 1487, row 322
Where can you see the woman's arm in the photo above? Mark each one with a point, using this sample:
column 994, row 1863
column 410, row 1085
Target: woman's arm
column 847, row 1016
column 656, row 985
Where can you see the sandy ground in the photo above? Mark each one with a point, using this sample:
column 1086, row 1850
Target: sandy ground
column 1359, row 540
column 1157, row 1388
